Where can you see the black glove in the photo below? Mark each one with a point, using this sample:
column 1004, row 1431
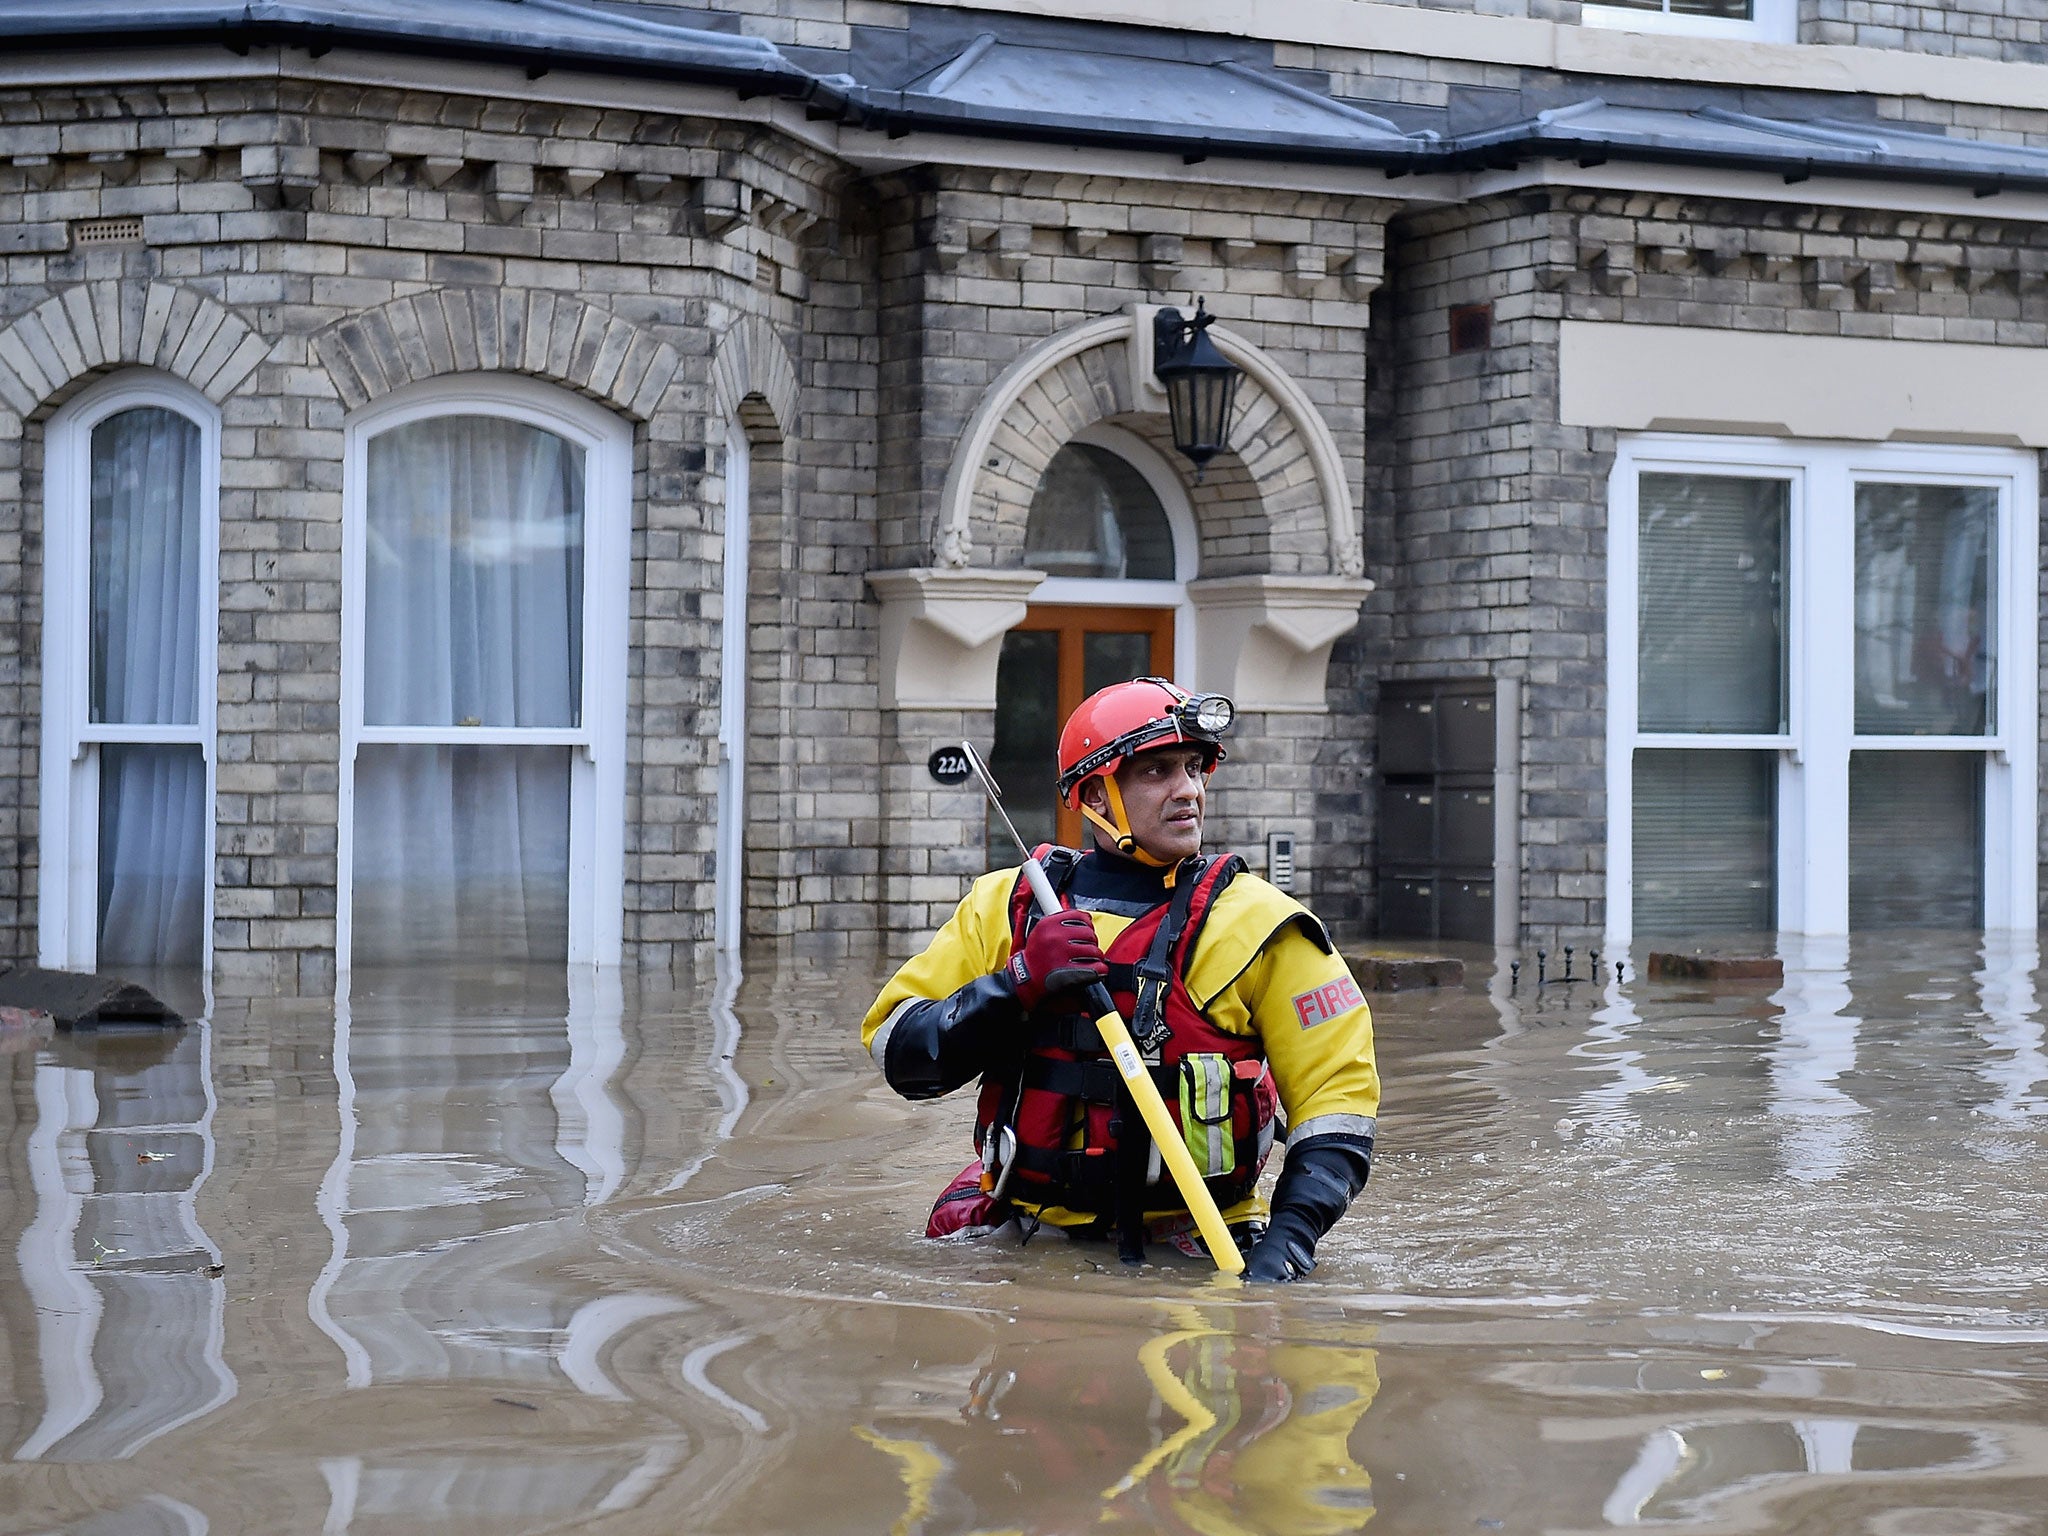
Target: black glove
column 1060, row 953
column 1317, row 1184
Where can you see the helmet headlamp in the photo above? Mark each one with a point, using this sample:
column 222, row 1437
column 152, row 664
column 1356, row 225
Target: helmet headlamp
column 1209, row 713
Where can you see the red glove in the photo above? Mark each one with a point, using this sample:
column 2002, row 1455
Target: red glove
column 1061, row 953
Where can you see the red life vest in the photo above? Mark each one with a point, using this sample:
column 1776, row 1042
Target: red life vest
column 1064, row 1100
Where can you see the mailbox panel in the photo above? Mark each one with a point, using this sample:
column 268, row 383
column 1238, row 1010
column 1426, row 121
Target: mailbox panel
column 1465, row 910
column 1465, row 732
column 1407, row 907
column 1407, row 742
column 1465, row 827
column 1408, row 823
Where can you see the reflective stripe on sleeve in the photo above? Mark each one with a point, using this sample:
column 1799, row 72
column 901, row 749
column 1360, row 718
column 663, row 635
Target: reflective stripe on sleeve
column 1328, row 1125
column 878, row 1048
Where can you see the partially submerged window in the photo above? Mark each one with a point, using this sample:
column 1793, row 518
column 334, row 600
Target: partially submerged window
column 1822, row 677
column 131, row 590
column 483, row 586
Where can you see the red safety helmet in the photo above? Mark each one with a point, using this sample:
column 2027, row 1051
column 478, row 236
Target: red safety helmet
column 1117, row 722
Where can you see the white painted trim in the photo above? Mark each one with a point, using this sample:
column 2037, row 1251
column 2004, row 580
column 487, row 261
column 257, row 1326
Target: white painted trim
column 1760, row 186
column 597, row 800
column 67, row 908
column 1814, row 750
column 1674, row 378
column 730, row 885
column 951, row 539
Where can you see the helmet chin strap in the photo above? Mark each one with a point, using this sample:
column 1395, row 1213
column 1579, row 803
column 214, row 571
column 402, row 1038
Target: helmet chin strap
column 1119, row 830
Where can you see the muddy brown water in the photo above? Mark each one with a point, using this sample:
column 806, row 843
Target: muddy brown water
column 489, row 1259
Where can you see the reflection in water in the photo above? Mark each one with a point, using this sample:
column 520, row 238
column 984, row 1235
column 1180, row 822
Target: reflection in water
column 2008, row 1021
column 460, row 1140
column 128, row 1301
column 725, row 1077
column 1815, row 1049
column 1607, row 1110
column 1250, row 1424
column 1703, row 1471
column 466, row 1141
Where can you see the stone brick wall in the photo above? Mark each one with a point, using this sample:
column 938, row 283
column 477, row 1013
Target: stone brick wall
column 2013, row 30
column 324, row 245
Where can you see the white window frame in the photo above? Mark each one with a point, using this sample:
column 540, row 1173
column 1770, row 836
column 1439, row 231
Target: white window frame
column 67, row 912
column 1771, row 21
column 1812, row 856
column 730, row 887
column 597, row 780
column 1112, row 592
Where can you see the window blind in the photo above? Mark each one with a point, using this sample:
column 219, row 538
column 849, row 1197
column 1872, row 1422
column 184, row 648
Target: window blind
column 1705, row 830
column 1711, row 606
column 1916, row 840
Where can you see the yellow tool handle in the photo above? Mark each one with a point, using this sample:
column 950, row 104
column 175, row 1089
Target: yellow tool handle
column 1167, row 1137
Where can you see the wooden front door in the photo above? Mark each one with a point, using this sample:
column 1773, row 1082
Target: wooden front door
column 1050, row 662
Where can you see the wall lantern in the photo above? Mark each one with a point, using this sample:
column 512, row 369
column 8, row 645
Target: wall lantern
column 1200, row 382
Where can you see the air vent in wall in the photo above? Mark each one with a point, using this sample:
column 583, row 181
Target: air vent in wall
column 106, row 232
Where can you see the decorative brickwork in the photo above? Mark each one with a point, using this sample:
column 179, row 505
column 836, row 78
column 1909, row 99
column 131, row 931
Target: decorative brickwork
column 457, row 330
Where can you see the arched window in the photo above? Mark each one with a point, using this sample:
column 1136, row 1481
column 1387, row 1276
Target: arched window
column 1095, row 516
column 1111, row 528
column 131, row 584
column 483, row 693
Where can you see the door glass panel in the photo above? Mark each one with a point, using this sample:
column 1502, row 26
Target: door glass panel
column 461, row 854
column 1095, row 515
column 1711, row 625
column 1024, row 758
column 1916, row 839
column 152, row 854
column 1705, row 833
column 147, row 591
column 1924, row 621
column 1108, row 658
column 473, row 577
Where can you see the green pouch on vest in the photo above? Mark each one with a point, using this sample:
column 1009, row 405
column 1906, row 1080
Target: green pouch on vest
column 1205, row 1114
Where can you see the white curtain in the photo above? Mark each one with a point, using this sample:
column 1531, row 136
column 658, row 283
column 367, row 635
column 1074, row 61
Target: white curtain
column 147, row 607
column 473, row 617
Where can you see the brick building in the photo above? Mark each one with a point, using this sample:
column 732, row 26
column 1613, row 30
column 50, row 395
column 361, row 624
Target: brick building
column 1629, row 525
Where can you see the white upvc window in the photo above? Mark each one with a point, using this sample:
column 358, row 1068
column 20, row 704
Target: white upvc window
column 730, row 887
column 485, row 597
column 131, row 597
column 1821, row 665
column 1758, row 21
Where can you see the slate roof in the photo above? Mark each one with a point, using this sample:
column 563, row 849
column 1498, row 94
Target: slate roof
column 1064, row 83
column 533, row 32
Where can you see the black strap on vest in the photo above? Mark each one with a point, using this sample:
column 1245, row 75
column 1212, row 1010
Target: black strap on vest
column 1148, row 1017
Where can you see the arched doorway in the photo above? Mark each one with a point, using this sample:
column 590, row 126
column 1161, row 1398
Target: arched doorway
column 1110, row 526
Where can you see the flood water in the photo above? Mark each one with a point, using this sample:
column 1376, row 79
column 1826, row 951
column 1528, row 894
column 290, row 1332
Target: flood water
column 488, row 1259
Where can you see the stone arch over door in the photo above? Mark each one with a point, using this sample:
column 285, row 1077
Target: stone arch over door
column 1282, row 561
column 549, row 335
column 1278, row 502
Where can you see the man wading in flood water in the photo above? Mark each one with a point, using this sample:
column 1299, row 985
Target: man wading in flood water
column 1231, row 988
